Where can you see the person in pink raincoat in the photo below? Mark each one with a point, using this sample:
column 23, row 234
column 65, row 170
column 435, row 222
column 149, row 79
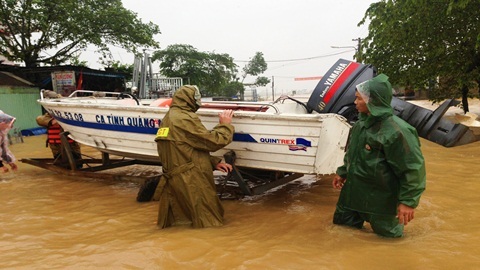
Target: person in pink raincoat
column 6, row 156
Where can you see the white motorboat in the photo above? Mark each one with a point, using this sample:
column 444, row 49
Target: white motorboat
column 276, row 137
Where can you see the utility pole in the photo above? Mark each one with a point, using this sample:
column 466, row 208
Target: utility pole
column 273, row 88
column 358, row 56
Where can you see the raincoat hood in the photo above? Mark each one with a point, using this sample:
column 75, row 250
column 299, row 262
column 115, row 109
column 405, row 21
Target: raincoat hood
column 377, row 94
column 6, row 122
column 187, row 98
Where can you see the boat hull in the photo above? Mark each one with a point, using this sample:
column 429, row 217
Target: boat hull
column 272, row 140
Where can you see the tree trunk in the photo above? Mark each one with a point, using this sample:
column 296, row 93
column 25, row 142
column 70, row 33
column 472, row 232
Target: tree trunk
column 478, row 85
column 465, row 99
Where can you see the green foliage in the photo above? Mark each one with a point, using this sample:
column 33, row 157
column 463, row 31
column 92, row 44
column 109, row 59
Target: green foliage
column 255, row 66
column 209, row 71
column 35, row 27
column 458, row 3
column 262, row 81
column 425, row 44
column 74, row 61
column 117, row 66
column 232, row 89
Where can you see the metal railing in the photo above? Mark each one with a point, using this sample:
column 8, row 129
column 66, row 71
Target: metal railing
column 163, row 87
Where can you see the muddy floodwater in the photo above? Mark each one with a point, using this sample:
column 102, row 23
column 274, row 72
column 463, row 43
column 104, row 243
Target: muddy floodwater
column 50, row 221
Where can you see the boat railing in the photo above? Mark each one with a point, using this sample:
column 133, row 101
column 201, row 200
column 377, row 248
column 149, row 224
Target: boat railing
column 234, row 105
column 81, row 93
column 102, row 94
column 85, row 93
column 239, row 105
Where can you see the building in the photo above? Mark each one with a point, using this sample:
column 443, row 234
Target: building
column 20, row 88
column 69, row 78
column 18, row 98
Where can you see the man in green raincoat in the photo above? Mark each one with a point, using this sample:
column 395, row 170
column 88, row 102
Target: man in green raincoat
column 186, row 190
column 383, row 175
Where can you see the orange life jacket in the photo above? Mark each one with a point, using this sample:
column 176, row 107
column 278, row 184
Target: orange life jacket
column 53, row 134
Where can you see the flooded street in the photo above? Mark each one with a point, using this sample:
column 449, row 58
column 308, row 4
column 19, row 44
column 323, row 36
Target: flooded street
column 50, row 221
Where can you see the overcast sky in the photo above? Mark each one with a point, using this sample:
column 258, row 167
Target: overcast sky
column 284, row 30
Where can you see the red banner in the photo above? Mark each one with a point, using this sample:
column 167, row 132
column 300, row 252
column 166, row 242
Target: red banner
column 317, row 78
column 80, row 81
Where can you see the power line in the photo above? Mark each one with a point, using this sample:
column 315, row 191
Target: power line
column 299, row 59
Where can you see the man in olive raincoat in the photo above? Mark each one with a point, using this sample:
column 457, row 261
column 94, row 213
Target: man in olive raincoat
column 186, row 190
column 383, row 175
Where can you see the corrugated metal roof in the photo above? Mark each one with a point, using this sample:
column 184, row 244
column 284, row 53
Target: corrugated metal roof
column 7, row 78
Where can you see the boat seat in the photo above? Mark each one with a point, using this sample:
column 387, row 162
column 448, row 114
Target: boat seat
column 126, row 102
column 162, row 102
column 167, row 102
column 235, row 107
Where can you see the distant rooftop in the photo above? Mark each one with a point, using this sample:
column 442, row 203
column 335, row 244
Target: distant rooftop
column 7, row 78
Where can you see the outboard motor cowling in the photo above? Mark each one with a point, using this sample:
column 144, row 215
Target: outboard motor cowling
column 335, row 93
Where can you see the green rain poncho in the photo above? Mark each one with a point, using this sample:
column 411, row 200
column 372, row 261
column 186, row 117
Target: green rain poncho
column 383, row 165
column 186, row 190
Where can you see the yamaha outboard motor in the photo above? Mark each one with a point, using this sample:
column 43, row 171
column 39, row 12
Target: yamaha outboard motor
column 335, row 93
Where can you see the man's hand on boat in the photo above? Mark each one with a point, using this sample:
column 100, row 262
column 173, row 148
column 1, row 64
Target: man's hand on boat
column 225, row 117
column 338, row 182
column 224, row 167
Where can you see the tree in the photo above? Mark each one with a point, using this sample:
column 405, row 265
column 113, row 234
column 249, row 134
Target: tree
column 426, row 44
column 262, row 81
column 209, row 71
column 74, row 61
column 117, row 66
column 255, row 66
column 232, row 88
column 34, row 28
